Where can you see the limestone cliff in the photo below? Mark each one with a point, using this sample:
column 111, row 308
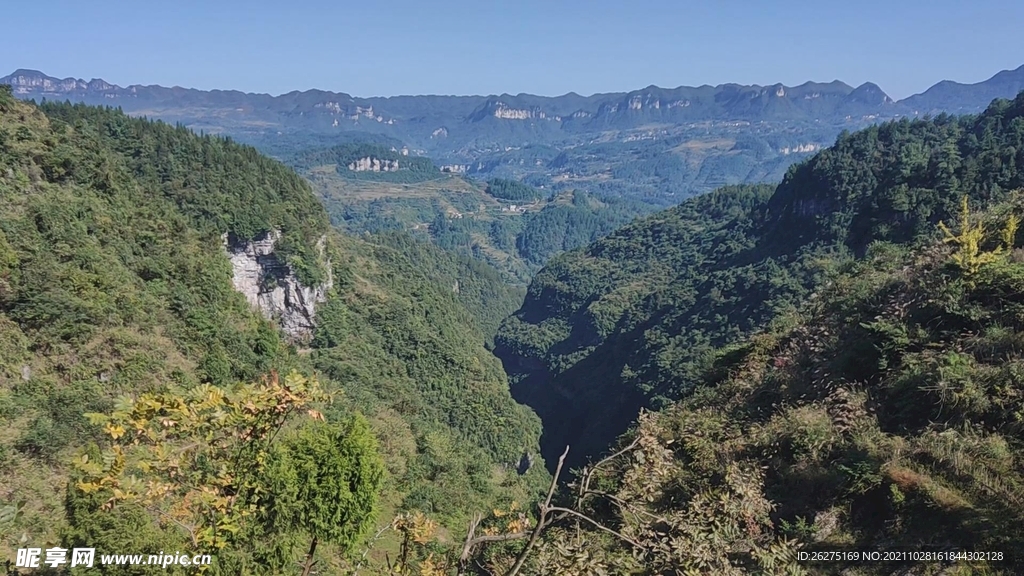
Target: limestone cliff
column 370, row 164
column 270, row 285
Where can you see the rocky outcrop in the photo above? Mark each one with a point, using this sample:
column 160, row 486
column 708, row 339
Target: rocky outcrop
column 800, row 149
column 28, row 81
column 369, row 164
column 270, row 285
column 505, row 111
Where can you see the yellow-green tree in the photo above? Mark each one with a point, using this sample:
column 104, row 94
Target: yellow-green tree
column 970, row 237
column 194, row 458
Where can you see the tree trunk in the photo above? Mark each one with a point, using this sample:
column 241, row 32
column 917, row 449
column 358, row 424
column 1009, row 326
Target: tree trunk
column 307, row 567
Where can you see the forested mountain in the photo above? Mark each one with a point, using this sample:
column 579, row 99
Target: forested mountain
column 883, row 416
column 191, row 358
column 507, row 224
column 128, row 250
column 633, row 319
column 660, row 145
column 957, row 98
column 826, row 373
column 420, row 119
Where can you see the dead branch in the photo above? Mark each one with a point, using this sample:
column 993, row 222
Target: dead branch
column 597, row 524
column 542, row 519
column 472, row 541
column 548, row 514
column 369, row 546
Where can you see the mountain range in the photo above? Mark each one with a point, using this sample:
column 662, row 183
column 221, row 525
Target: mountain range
column 442, row 125
column 658, row 145
column 830, row 364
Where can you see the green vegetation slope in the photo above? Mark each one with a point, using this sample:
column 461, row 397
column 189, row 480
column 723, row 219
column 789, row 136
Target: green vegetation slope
column 114, row 281
column 633, row 319
column 514, row 227
column 883, row 416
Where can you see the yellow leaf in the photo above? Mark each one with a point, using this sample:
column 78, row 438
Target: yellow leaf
column 115, row 430
column 88, row 487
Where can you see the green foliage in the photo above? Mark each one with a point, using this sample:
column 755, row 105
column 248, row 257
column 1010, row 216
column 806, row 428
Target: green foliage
column 324, row 481
column 969, row 255
column 190, row 455
column 514, row 233
column 410, row 169
column 513, row 190
column 640, row 311
column 805, row 434
column 895, row 181
column 925, row 459
column 630, row 320
column 396, row 340
column 222, row 186
column 114, row 284
column 560, row 227
column 479, row 288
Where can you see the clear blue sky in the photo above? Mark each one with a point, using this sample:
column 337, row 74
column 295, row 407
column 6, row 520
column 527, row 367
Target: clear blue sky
column 372, row 47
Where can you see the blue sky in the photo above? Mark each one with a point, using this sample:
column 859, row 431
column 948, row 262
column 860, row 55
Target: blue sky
column 372, row 48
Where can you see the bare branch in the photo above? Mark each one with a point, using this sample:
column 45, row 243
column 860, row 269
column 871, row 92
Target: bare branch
column 623, row 505
column 597, row 524
column 545, row 508
column 190, row 529
column 607, row 459
column 548, row 514
column 369, row 546
column 588, row 471
column 467, row 547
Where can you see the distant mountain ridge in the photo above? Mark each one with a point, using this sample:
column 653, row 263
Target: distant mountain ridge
column 419, row 119
column 954, row 97
column 660, row 145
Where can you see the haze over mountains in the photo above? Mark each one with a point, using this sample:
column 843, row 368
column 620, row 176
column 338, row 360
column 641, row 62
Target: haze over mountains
column 660, row 145
column 832, row 363
column 440, row 124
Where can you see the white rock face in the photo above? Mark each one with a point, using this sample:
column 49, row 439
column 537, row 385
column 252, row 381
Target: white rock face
column 334, row 107
column 800, row 149
column 502, row 110
column 369, row 164
column 25, row 83
column 271, row 287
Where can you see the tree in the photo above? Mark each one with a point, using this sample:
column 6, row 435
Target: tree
column 194, row 459
column 969, row 255
column 323, row 481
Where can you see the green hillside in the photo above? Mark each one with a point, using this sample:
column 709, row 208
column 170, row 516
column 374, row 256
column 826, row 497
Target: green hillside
column 831, row 367
column 514, row 227
column 115, row 288
column 831, row 364
column 883, row 416
column 631, row 320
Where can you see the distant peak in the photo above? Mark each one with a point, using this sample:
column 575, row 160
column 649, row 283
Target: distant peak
column 869, row 93
column 1016, row 72
column 27, row 72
